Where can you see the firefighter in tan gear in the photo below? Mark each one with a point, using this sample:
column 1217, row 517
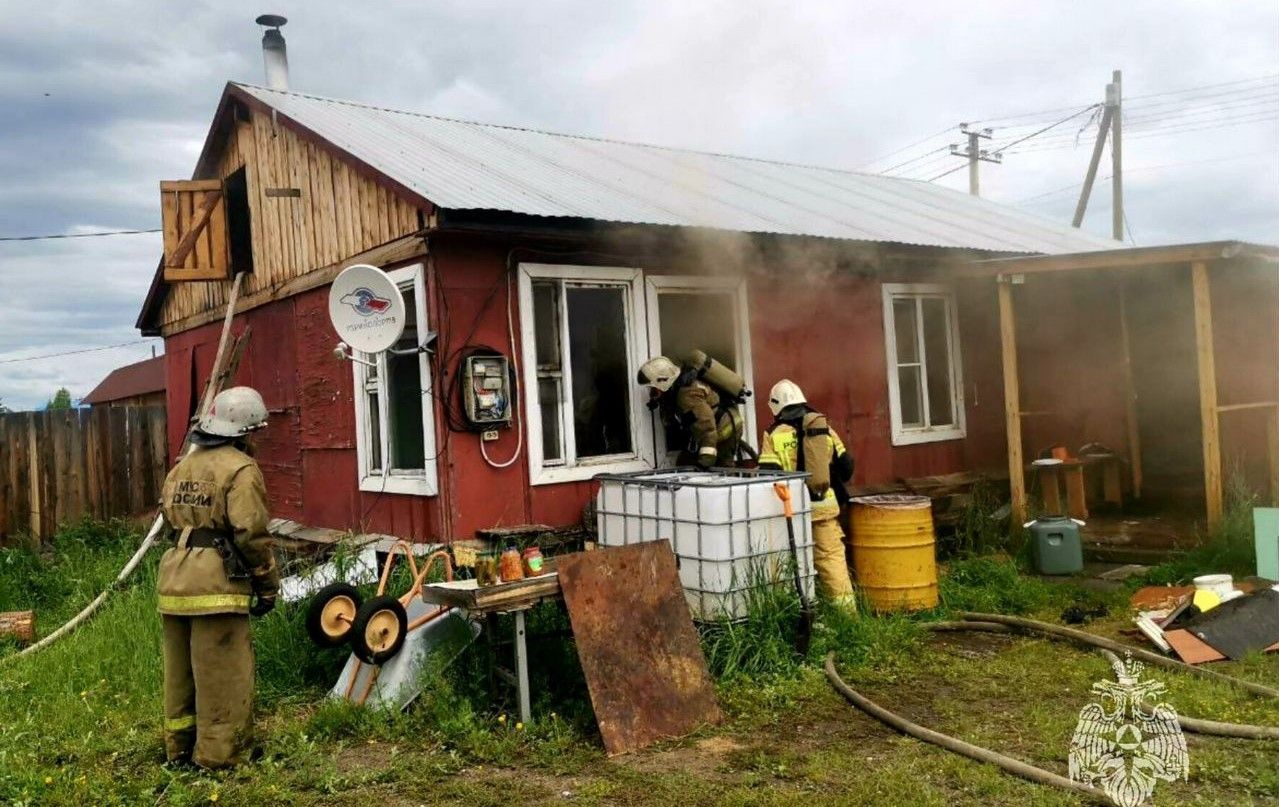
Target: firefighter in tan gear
column 694, row 405
column 801, row 439
column 220, row 570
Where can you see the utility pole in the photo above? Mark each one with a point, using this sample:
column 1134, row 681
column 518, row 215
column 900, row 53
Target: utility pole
column 975, row 154
column 1117, row 156
column 1110, row 125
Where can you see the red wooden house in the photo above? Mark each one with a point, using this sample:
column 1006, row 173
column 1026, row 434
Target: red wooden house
column 579, row 257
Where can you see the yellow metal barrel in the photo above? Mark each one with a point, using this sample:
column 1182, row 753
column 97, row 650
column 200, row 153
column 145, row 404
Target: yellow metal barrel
column 894, row 552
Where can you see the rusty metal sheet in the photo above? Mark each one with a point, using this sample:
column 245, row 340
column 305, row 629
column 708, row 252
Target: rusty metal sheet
column 639, row 650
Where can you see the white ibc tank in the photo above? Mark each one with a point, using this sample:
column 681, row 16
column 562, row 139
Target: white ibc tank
column 726, row 527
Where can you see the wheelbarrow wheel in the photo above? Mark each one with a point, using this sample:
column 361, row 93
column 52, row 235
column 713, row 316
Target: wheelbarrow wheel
column 379, row 630
column 331, row 614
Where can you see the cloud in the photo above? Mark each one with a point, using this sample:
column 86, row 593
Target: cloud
column 104, row 100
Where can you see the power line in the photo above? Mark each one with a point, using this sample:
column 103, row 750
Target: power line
column 924, row 167
column 919, row 142
column 948, row 173
column 73, row 352
column 914, row 159
column 1172, row 129
column 74, row 235
column 1046, row 128
column 1182, row 91
column 1127, row 170
column 1207, row 111
column 1157, row 122
column 1254, row 79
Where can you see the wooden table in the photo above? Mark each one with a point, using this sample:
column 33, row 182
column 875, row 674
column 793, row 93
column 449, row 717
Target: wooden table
column 1050, row 478
column 505, row 598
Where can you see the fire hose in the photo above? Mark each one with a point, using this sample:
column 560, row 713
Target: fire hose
column 1245, row 731
column 154, row 533
column 1081, row 637
column 998, row 623
column 973, row 752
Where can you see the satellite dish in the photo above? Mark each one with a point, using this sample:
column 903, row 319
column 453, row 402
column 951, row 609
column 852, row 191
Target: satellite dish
column 366, row 308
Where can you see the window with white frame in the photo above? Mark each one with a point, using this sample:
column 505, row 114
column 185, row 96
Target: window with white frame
column 582, row 329
column 687, row 313
column 395, row 434
column 924, row 384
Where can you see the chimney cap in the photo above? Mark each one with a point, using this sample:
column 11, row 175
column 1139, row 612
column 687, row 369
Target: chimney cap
column 271, row 20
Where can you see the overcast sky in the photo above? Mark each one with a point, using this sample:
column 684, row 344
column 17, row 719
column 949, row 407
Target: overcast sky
column 103, row 100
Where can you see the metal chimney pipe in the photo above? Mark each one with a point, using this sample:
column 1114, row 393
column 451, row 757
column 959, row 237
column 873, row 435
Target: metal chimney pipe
column 274, row 57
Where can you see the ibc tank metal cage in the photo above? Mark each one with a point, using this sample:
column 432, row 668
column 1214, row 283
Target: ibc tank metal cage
column 726, row 527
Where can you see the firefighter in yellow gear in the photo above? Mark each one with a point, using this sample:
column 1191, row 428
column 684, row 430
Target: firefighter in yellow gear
column 801, row 439
column 220, row 570
column 715, row 432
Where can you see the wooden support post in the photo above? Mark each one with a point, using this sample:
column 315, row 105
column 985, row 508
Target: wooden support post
column 1076, row 499
column 1012, row 401
column 1207, row 392
column 1130, row 395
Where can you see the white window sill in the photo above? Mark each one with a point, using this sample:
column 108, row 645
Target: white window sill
column 912, row 437
column 409, row 485
column 585, row 471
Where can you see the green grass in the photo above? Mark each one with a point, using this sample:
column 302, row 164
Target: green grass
column 1227, row 548
column 81, row 721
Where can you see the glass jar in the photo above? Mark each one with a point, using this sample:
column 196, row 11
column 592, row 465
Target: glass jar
column 532, row 561
column 486, row 572
column 510, row 566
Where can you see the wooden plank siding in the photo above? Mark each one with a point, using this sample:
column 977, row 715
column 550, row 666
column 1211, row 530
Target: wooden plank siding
column 57, row 467
column 340, row 213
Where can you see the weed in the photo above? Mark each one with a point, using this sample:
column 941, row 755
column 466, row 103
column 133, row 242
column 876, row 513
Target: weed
column 1228, row 547
column 992, row 584
column 982, row 527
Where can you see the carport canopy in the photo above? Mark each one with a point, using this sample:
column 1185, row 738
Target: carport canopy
column 1204, row 259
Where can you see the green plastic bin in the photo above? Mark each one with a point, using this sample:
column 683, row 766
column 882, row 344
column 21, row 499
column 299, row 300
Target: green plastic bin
column 1055, row 546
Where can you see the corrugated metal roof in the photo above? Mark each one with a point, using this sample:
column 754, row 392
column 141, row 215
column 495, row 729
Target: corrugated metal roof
column 459, row 165
column 131, row 380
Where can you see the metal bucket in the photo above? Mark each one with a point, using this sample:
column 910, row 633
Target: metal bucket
column 894, row 552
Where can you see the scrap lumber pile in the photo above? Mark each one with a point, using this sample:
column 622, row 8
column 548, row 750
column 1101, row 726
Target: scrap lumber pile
column 1210, row 621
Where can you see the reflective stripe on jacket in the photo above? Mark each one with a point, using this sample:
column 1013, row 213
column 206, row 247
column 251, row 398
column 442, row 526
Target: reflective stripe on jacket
column 217, row 488
column 779, row 448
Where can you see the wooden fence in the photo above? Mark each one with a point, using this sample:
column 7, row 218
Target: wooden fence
column 57, row 467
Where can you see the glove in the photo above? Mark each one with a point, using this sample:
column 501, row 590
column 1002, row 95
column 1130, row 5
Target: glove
column 262, row 605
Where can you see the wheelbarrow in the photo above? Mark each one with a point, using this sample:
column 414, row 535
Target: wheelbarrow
column 375, row 628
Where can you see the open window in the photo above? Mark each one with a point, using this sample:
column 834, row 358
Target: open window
column 925, row 389
column 239, row 229
column 698, row 313
column 395, row 434
column 581, row 334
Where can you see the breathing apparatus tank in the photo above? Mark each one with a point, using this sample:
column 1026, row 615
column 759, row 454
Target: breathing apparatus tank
column 718, row 375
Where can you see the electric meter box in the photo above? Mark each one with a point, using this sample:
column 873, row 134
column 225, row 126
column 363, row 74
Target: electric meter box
column 486, row 390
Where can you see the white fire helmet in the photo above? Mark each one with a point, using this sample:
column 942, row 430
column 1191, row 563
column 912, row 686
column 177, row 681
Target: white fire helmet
column 235, row 412
column 785, row 393
column 659, row 373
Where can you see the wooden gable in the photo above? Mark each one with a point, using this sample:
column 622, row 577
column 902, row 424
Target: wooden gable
column 309, row 209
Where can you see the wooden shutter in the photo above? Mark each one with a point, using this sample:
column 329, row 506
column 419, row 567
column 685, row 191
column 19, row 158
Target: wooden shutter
column 195, row 230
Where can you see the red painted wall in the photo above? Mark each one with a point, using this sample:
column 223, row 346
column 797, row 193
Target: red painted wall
column 826, row 334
